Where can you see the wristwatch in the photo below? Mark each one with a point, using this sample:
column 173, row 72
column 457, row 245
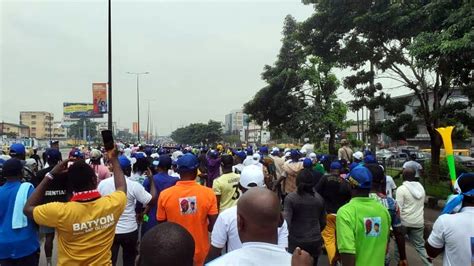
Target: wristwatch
column 49, row 175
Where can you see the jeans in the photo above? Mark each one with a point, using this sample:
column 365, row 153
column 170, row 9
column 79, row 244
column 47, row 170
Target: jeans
column 415, row 237
column 128, row 242
column 30, row 260
column 313, row 248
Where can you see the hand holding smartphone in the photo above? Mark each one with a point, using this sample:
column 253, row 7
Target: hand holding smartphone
column 109, row 143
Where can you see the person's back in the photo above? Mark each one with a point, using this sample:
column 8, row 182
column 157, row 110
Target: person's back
column 226, row 187
column 413, row 164
column 308, row 216
column 86, row 225
column 291, row 168
column 19, row 243
column 258, row 214
column 335, row 192
column 162, row 181
column 189, row 205
column 411, row 199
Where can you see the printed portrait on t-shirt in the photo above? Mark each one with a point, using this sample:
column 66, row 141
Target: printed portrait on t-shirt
column 372, row 226
column 187, row 205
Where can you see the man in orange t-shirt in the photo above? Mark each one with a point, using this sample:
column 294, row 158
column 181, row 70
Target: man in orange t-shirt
column 190, row 205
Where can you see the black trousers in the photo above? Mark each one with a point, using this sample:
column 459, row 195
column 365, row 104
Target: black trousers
column 30, row 260
column 128, row 242
column 313, row 248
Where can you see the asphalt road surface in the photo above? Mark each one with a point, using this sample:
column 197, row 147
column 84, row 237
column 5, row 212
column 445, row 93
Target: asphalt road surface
column 412, row 256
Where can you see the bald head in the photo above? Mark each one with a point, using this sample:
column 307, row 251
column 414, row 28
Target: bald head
column 409, row 174
column 258, row 216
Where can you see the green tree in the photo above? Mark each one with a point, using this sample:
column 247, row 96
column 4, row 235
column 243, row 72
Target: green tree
column 76, row 129
column 196, row 133
column 425, row 46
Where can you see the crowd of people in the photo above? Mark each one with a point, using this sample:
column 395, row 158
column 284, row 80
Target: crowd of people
column 188, row 205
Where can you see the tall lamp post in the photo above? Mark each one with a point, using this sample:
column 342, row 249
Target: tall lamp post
column 109, row 114
column 137, row 74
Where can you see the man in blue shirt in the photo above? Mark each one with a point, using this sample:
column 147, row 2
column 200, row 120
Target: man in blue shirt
column 162, row 181
column 19, row 246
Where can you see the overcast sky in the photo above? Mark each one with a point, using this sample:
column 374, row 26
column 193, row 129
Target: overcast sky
column 204, row 57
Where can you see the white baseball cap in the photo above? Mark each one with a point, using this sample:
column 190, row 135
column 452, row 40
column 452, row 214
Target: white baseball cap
column 358, row 155
column 312, row 155
column 251, row 176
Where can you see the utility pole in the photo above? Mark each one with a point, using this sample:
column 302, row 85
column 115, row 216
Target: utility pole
column 109, row 114
column 137, row 74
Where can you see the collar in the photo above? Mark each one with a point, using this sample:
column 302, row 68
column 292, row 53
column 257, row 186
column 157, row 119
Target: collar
column 260, row 245
column 362, row 199
column 85, row 195
column 468, row 209
column 186, row 183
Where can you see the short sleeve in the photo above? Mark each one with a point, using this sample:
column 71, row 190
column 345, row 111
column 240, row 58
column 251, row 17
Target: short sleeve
column 161, row 211
column 48, row 214
column 213, row 208
column 118, row 199
column 283, row 235
column 216, row 187
column 345, row 232
column 219, row 233
column 141, row 194
column 436, row 238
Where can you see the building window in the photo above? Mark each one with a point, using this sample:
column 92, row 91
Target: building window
column 33, row 135
column 33, row 116
column 33, row 122
column 33, row 128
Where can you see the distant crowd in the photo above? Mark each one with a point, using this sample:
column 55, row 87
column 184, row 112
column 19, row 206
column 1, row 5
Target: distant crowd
column 218, row 205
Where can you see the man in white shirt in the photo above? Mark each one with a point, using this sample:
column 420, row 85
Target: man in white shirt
column 126, row 232
column 225, row 229
column 454, row 233
column 258, row 217
column 413, row 164
column 410, row 197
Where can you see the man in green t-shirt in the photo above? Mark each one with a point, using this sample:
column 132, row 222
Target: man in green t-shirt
column 226, row 187
column 363, row 224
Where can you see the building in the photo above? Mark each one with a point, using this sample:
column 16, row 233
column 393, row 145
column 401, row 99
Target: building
column 59, row 132
column 422, row 139
column 235, row 121
column 40, row 123
column 10, row 129
column 254, row 134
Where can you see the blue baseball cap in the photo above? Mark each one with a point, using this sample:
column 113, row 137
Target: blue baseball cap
column 294, row 154
column 264, row 149
column 17, row 149
column 336, row 165
column 187, row 162
column 241, row 154
column 370, row 159
column 77, row 154
column 249, row 151
column 164, row 161
column 307, row 163
column 124, row 162
column 360, row 177
column 53, row 155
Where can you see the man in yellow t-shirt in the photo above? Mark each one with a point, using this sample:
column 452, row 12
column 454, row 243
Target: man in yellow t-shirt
column 226, row 187
column 86, row 224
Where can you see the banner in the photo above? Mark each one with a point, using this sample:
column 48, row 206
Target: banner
column 79, row 110
column 135, row 128
column 99, row 98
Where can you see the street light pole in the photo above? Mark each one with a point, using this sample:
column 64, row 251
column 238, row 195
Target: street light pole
column 137, row 74
column 109, row 114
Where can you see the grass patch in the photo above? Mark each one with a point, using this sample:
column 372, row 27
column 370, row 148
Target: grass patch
column 440, row 190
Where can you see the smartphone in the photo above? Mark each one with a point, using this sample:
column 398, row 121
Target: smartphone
column 108, row 140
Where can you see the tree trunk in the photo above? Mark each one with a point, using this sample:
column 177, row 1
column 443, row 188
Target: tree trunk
column 435, row 141
column 332, row 141
column 372, row 134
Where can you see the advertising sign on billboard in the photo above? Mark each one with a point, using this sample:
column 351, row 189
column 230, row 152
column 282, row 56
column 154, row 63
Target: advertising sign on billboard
column 135, row 127
column 80, row 110
column 99, row 98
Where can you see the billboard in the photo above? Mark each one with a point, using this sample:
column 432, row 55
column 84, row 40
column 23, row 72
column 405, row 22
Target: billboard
column 135, row 127
column 99, row 98
column 79, row 110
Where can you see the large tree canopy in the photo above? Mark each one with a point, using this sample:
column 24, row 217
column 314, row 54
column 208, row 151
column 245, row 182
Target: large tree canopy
column 198, row 133
column 425, row 46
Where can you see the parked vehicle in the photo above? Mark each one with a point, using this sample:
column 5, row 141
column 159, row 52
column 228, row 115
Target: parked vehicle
column 466, row 161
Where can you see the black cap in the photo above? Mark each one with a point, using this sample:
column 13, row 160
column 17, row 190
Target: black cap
column 12, row 167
